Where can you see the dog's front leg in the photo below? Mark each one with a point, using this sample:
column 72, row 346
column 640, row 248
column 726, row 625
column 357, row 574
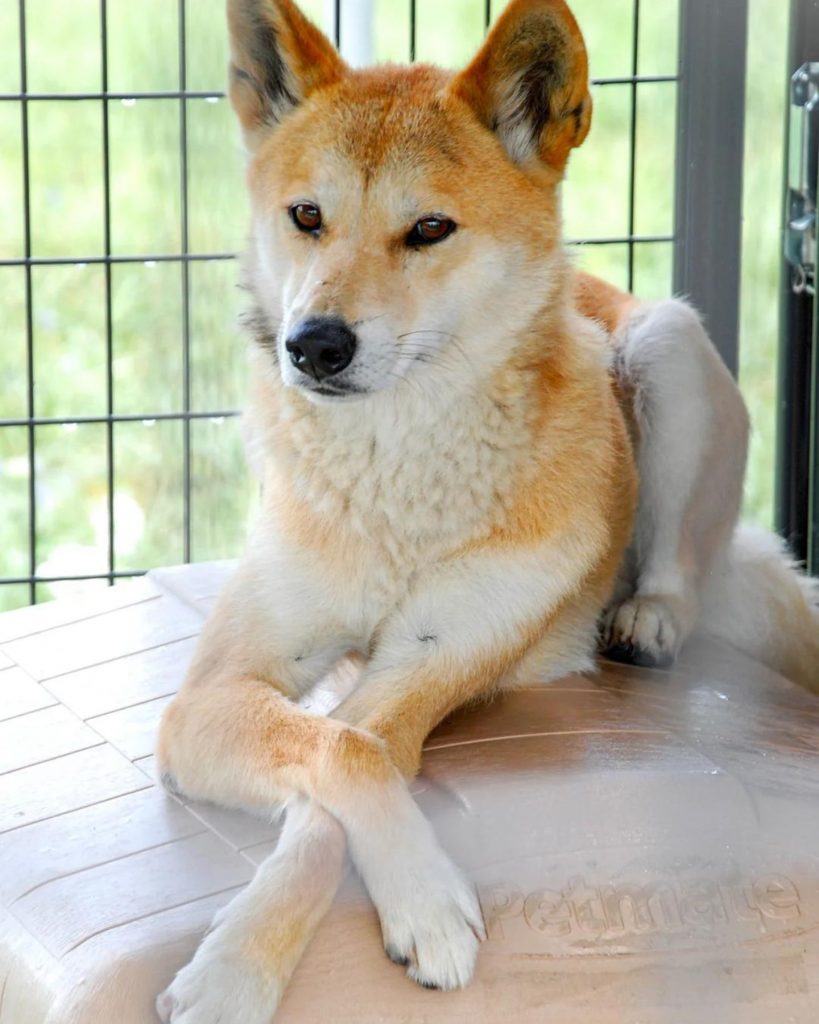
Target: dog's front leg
column 240, row 970
column 243, row 964
column 462, row 629
column 468, row 626
column 234, row 735
column 465, row 626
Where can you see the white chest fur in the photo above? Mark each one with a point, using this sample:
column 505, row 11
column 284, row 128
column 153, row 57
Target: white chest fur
column 416, row 475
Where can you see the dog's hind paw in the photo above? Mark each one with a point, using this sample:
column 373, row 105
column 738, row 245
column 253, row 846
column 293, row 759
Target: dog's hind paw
column 645, row 631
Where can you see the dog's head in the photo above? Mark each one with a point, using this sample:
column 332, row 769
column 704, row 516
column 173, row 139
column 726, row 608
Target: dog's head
column 403, row 217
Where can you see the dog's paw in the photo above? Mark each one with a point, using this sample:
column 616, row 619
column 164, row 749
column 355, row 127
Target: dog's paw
column 431, row 924
column 219, row 986
column 645, row 631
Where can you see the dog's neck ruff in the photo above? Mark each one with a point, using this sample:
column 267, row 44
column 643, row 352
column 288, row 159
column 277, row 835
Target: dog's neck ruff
column 412, row 469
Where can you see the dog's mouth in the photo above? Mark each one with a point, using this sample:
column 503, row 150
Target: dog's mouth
column 333, row 394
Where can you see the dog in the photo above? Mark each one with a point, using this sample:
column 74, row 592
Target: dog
column 478, row 465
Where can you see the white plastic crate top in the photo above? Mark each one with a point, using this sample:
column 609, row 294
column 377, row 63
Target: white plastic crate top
column 645, row 844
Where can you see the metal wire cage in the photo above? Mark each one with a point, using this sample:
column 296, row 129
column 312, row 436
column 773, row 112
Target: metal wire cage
column 121, row 207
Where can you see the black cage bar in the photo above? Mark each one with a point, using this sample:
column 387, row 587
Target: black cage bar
column 710, row 159
column 797, row 484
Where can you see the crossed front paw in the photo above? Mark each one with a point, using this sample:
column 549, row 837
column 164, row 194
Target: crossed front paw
column 436, row 938
column 431, row 921
column 219, row 986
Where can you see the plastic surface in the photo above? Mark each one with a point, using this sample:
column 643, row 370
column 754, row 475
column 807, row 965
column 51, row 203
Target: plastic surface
column 645, row 843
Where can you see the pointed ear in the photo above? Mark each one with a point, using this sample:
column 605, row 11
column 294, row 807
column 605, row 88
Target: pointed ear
column 278, row 58
column 530, row 82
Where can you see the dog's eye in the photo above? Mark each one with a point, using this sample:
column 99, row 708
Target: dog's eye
column 306, row 217
column 430, row 230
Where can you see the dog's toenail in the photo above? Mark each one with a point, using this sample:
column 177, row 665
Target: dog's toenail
column 630, row 654
column 396, row 956
column 164, row 1005
column 169, row 784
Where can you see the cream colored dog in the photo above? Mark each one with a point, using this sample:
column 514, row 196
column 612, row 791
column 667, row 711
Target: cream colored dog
column 451, row 426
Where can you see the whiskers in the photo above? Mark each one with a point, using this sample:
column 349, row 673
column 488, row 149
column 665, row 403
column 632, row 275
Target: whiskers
column 423, row 348
column 434, row 333
column 430, row 347
column 368, row 320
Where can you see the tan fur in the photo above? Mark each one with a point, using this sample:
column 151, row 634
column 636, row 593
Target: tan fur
column 602, row 302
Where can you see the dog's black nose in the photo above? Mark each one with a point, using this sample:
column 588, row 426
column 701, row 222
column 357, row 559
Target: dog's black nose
column 321, row 346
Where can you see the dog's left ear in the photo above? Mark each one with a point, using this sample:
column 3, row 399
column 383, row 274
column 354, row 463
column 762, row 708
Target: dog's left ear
column 529, row 82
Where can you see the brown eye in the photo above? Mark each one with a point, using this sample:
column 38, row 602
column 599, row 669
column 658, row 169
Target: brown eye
column 430, row 230
column 306, row 217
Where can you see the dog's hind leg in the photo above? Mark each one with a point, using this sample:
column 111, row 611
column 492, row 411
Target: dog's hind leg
column 692, row 434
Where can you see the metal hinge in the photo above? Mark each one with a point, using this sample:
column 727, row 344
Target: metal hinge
column 803, row 160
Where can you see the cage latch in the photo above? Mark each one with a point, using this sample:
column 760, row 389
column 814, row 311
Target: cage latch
column 803, row 160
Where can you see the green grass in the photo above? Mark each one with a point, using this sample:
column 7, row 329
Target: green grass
column 67, row 198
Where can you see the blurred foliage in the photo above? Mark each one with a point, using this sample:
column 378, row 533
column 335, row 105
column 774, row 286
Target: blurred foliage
column 762, row 244
column 147, row 310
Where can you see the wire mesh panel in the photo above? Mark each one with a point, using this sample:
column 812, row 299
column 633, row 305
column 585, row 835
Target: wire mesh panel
column 121, row 206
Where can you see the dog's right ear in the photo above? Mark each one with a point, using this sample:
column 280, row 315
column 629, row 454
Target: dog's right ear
column 278, row 58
